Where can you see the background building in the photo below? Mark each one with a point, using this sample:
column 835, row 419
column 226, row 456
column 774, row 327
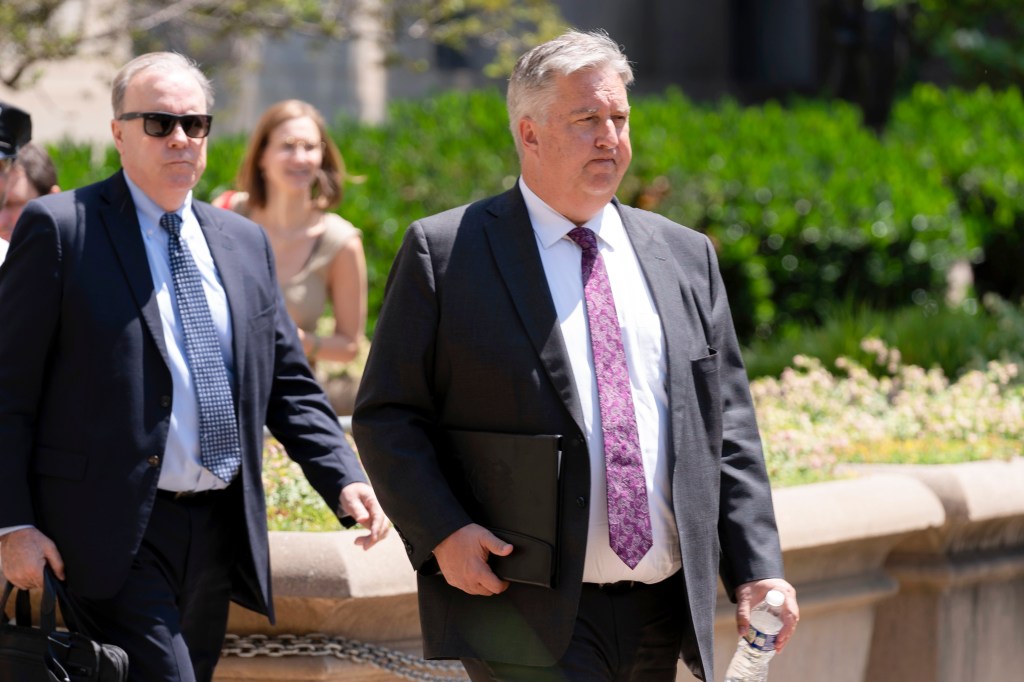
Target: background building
column 747, row 49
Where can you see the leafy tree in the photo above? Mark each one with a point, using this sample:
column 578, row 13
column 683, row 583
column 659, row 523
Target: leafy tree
column 979, row 41
column 39, row 31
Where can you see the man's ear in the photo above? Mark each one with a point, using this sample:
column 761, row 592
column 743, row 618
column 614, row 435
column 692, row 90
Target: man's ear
column 528, row 132
column 116, row 132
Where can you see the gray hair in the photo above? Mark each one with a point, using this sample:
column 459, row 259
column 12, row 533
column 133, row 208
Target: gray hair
column 531, row 86
column 168, row 62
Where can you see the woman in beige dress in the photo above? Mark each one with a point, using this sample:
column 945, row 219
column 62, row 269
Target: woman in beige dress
column 290, row 178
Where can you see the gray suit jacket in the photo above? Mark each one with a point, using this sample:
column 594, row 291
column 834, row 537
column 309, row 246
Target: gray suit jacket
column 85, row 390
column 468, row 338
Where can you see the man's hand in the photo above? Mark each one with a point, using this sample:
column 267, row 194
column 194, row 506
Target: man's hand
column 749, row 595
column 463, row 555
column 24, row 553
column 360, row 502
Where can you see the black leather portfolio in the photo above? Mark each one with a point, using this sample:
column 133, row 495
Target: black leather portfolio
column 509, row 484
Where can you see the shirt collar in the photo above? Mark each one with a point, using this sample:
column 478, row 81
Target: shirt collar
column 149, row 208
column 551, row 226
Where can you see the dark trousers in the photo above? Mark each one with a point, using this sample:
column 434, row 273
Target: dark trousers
column 171, row 614
column 623, row 633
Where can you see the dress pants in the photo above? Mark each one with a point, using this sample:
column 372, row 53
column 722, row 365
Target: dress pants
column 624, row 632
column 171, row 614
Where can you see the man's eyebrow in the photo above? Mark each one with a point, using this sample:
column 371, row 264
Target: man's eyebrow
column 594, row 110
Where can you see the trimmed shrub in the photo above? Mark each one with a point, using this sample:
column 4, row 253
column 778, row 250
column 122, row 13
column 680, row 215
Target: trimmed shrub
column 805, row 205
column 970, row 143
column 950, row 339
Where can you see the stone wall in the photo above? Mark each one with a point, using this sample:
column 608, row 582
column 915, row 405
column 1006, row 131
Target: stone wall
column 903, row 573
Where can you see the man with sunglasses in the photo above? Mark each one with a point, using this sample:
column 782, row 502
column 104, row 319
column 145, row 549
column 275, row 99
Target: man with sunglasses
column 15, row 132
column 135, row 383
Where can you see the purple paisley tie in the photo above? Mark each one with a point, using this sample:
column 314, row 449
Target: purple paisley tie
column 629, row 519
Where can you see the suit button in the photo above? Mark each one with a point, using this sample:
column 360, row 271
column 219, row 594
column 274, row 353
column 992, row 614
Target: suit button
column 153, row 461
column 579, row 441
column 165, row 401
column 581, row 502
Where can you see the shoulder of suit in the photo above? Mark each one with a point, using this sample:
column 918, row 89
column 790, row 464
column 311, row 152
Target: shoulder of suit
column 666, row 227
column 473, row 214
column 64, row 202
column 224, row 215
column 451, row 217
column 246, row 233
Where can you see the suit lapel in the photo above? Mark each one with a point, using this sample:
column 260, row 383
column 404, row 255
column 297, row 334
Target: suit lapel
column 514, row 249
column 121, row 221
column 232, row 277
column 664, row 281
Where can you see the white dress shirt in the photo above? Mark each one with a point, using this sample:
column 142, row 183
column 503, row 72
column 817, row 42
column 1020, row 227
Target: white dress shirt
column 181, row 469
column 642, row 340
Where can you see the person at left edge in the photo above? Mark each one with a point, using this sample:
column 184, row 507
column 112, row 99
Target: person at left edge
column 99, row 415
column 31, row 176
column 15, row 132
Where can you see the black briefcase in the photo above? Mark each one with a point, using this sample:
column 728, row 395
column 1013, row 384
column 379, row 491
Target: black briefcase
column 46, row 654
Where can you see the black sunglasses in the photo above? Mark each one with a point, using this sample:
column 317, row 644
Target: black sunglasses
column 161, row 124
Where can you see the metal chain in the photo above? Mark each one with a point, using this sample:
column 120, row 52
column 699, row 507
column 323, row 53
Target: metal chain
column 318, row 644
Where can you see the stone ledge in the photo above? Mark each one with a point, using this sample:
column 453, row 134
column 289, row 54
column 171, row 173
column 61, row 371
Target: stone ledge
column 983, row 503
column 852, row 510
column 324, row 582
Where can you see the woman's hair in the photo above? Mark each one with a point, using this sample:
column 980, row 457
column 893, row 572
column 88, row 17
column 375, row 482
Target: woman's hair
column 38, row 167
column 327, row 189
column 531, row 87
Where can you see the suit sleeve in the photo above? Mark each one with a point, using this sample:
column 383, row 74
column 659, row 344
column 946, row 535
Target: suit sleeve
column 299, row 414
column 30, row 304
column 396, row 408
column 746, row 524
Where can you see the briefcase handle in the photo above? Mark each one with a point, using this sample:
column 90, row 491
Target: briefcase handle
column 47, row 620
column 23, row 607
column 55, row 588
column 53, row 594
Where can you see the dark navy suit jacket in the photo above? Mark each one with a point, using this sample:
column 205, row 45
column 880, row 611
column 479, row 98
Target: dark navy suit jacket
column 85, row 390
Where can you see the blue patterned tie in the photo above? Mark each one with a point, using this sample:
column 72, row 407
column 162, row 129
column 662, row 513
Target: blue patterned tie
column 629, row 516
column 218, row 431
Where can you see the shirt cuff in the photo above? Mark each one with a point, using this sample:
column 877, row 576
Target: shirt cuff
column 11, row 529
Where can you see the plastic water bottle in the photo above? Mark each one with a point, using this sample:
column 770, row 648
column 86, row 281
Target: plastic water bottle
column 755, row 649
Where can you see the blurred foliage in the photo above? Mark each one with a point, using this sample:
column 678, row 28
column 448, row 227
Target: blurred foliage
column 292, row 504
column 980, row 41
column 806, row 207
column 971, row 143
column 38, row 33
column 804, row 204
column 953, row 339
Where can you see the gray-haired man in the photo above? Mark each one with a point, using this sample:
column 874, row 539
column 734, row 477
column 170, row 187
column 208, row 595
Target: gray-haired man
column 553, row 309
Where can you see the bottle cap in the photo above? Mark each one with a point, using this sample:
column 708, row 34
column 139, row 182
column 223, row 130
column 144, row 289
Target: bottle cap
column 775, row 598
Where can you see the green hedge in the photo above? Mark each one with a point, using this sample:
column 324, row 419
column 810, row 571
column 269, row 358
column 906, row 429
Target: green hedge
column 973, row 144
column 953, row 339
column 805, row 205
